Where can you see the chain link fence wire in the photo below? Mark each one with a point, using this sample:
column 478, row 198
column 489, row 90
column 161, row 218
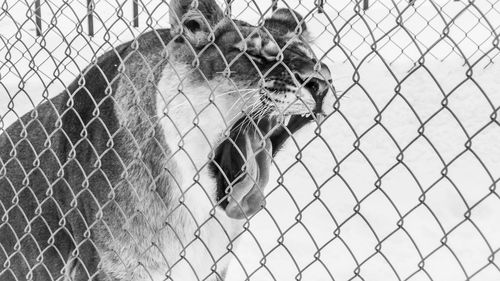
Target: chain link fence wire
column 398, row 182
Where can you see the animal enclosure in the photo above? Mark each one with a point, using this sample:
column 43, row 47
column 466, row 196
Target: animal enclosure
column 398, row 182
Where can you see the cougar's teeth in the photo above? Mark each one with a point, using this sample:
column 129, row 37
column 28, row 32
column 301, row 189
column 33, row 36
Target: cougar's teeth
column 320, row 118
column 287, row 119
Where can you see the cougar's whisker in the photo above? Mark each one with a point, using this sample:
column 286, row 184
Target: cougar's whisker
column 246, row 93
column 257, row 108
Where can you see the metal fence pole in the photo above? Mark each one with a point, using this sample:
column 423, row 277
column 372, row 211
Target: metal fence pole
column 90, row 16
column 38, row 18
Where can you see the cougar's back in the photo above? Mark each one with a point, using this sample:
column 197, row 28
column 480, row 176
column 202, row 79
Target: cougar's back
column 59, row 165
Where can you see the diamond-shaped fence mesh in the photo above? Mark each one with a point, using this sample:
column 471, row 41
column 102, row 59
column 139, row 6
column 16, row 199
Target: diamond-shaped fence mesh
column 249, row 140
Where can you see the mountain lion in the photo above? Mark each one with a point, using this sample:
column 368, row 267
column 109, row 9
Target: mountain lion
column 147, row 166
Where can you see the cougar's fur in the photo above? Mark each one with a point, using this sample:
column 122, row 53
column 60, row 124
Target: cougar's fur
column 148, row 164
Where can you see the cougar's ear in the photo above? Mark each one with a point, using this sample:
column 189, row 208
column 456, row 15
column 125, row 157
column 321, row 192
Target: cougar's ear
column 285, row 21
column 194, row 19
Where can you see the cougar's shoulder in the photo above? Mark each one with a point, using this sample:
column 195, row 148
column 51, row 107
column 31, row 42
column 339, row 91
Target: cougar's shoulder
column 59, row 162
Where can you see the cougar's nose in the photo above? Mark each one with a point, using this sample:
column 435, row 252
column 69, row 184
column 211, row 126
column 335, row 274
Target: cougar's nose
column 316, row 81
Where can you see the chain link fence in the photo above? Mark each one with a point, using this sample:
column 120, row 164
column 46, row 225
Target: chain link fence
column 397, row 182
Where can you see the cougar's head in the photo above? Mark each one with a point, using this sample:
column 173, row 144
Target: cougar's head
column 275, row 81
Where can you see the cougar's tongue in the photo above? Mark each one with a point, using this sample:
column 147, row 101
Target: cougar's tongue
column 247, row 194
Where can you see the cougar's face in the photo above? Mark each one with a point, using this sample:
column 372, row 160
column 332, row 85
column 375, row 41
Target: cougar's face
column 278, row 63
column 273, row 79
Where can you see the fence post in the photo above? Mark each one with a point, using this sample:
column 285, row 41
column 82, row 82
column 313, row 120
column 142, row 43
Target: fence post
column 366, row 5
column 38, row 18
column 229, row 10
column 135, row 12
column 90, row 16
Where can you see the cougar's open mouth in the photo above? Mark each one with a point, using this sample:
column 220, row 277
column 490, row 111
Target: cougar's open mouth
column 242, row 161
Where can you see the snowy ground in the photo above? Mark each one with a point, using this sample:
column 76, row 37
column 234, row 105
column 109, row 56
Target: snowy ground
column 357, row 174
column 369, row 197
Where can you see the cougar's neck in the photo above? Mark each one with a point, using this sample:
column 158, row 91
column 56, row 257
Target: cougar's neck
column 192, row 127
column 167, row 180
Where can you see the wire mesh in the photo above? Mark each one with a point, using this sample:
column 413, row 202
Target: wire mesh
column 114, row 156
